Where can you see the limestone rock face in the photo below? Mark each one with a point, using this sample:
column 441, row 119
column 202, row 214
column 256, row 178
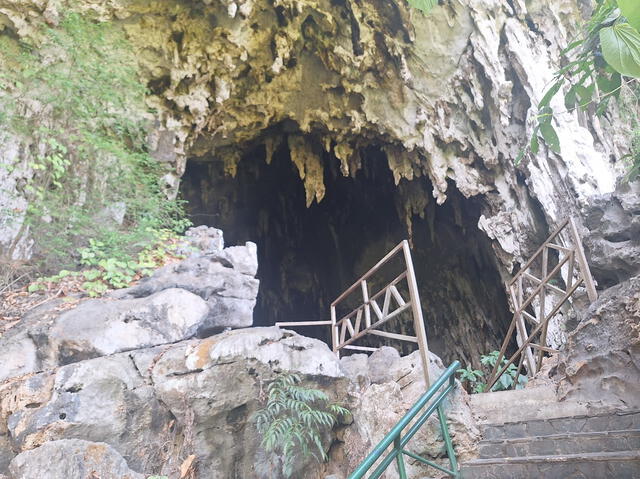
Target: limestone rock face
column 211, row 290
column 601, row 360
column 72, row 458
column 225, row 280
column 153, row 407
column 449, row 97
column 156, row 406
column 613, row 240
column 385, row 386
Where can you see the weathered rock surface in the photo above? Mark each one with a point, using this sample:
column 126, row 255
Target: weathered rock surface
column 209, row 291
column 613, row 240
column 601, row 361
column 72, row 458
column 450, row 96
column 156, row 406
column 225, row 280
column 385, row 386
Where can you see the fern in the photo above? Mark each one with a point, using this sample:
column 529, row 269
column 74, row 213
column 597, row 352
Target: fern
column 293, row 419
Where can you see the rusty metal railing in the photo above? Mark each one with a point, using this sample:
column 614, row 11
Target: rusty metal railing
column 376, row 309
column 536, row 299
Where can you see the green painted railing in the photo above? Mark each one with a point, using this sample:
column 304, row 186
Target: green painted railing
column 400, row 440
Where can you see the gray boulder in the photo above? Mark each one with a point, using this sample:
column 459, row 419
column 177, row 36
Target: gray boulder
column 72, row 458
column 103, row 400
column 225, row 280
column 613, row 241
column 101, row 327
column 156, row 406
column 197, row 297
column 600, row 361
column 201, row 240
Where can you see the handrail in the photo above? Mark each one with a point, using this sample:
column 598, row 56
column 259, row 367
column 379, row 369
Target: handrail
column 368, row 316
column 399, row 441
column 542, row 306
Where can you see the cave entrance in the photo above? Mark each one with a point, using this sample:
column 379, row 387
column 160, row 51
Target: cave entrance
column 309, row 255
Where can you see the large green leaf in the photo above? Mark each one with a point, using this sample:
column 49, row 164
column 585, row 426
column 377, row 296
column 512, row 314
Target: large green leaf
column 550, row 136
column 621, row 48
column 631, row 10
column 425, row 5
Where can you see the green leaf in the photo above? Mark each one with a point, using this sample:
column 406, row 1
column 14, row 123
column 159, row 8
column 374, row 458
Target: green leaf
column 585, row 93
column 423, row 5
column 631, row 10
column 535, row 147
column 611, row 84
column 35, row 287
column 621, row 48
column 550, row 136
column 570, row 98
column 550, row 94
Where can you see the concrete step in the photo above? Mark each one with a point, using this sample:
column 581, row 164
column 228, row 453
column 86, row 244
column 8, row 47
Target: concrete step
column 613, row 421
column 559, row 444
column 602, row 465
column 523, row 405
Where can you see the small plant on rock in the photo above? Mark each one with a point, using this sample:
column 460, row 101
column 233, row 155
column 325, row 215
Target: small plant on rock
column 475, row 378
column 293, row 419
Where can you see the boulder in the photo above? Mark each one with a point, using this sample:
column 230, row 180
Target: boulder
column 104, row 400
column 201, row 240
column 101, row 327
column 210, row 291
column 72, row 458
column 156, row 406
column 612, row 243
column 600, row 364
column 393, row 386
column 225, row 280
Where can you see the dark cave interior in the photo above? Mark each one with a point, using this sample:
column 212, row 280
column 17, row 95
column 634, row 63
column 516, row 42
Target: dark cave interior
column 308, row 256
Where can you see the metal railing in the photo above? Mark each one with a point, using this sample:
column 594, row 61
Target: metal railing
column 398, row 440
column 536, row 299
column 370, row 314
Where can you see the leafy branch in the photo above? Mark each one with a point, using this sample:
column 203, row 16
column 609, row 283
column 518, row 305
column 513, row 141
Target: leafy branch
column 293, row 419
column 607, row 51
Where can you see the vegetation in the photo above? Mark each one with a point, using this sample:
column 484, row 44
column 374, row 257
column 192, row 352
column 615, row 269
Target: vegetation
column 601, row 65
column 293, row 420
column 95, row 188
column 473, row 378
column 424, row 5
column 106, row 272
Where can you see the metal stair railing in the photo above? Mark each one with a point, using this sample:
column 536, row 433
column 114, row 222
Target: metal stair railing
column 400, row 440
column 536, row 299
column 377, row 308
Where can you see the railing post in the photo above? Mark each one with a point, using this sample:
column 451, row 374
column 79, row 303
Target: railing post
column 402, row 471
column 418, row 321
column 448, row 444
column 334, row 331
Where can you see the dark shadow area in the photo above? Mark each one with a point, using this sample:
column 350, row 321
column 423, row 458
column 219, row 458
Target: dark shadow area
column 308, row 256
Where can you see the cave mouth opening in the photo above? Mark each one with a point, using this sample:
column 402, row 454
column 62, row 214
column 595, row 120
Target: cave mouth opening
column 308, row 256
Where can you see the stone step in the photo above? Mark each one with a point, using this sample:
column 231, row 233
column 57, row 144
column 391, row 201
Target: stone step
column 616, row 421
column 530, row 404
column 554, row 444
column 602, row 465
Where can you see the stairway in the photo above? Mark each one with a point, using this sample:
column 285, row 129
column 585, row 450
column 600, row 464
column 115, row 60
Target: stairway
column 529, row 434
